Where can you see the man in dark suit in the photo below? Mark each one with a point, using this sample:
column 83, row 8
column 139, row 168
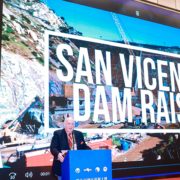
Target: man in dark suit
column 63, row 140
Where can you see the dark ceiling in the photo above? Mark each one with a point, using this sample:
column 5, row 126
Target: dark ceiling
column 135, row 9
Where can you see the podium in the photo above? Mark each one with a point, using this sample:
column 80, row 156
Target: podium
column 87, row 164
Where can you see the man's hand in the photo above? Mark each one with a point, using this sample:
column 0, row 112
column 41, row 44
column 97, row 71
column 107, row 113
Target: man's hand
column 60, row 157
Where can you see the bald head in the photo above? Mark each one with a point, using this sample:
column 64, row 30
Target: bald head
column 69, row 125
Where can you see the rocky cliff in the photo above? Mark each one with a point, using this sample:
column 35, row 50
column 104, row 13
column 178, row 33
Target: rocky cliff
column 22, row 59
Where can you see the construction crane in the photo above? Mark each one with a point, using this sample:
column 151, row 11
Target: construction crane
column 122, row 33
column 124, row 37
column 126, row 41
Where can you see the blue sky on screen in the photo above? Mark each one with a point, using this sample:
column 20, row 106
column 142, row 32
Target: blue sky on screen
column 99, row 24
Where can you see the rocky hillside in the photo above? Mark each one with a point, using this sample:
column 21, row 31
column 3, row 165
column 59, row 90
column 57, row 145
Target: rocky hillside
column 22, row 70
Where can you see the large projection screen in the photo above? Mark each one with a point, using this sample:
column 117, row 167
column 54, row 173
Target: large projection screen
column 116, row 73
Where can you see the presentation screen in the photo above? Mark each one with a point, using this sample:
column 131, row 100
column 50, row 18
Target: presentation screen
column 116, row 73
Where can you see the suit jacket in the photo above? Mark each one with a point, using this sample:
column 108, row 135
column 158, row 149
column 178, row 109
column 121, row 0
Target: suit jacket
column 60, row 142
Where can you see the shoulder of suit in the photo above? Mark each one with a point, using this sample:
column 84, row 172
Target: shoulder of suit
column 77, row 132
column 59, row 131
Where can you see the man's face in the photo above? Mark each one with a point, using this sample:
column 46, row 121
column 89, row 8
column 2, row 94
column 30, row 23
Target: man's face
column 69, row 125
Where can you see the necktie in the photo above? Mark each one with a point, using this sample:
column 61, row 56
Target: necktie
column 70, row 141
